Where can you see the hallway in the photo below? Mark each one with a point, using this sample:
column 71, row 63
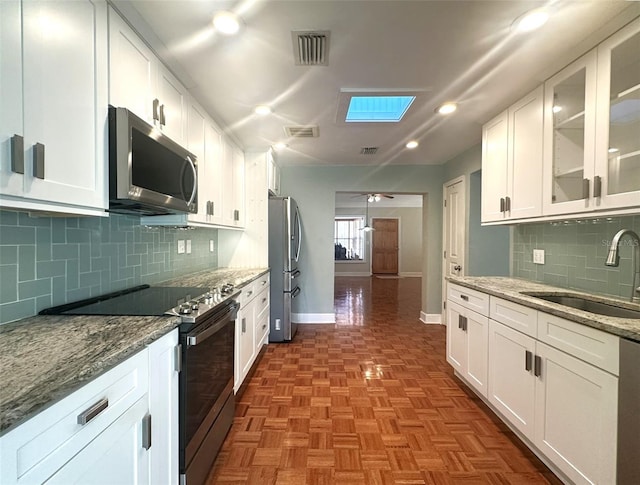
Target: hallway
column 369, row 400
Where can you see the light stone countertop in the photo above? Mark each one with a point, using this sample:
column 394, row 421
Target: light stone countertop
column 44, row 358
column 512, row 289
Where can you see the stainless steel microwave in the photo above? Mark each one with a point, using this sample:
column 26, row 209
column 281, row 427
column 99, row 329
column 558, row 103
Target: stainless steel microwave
column 149, row 174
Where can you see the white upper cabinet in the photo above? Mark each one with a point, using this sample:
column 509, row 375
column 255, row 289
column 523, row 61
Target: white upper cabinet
column 141, row 83
column 617, row 149
column 512, row 161
column 273, row 174
column 47, row 164
column 569, row 133
column 214, row 172
column 196, row 122
column 592, row 129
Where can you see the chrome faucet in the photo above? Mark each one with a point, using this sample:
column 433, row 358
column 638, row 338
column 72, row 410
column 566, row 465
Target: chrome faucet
column 613, row 259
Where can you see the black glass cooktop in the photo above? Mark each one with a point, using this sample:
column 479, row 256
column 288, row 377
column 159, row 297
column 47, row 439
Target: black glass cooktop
column 138, row 301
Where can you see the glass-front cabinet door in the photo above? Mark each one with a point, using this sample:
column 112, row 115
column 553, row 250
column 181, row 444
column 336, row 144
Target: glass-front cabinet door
column 618, row 118
column 569, row 130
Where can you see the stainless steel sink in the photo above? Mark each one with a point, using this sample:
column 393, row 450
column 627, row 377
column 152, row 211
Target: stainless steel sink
column 587, row 305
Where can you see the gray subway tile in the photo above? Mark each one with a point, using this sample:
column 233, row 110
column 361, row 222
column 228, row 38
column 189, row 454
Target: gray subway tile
column 13, row 235
column 17, row 310
column 59, row 290
column 78, row 236
column 8, row 218
column 8, row 254
column 64, row 251
column 89, row 279
column 34, row 288
column 73, row 275
column 26, row 262
column 58, row 231
column 48, row 269
column 8, row 283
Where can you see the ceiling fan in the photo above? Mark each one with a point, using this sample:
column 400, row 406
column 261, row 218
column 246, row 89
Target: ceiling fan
column 374, row 197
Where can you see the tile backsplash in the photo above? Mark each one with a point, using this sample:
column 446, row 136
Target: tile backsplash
column 46, row 261
column 575, row 252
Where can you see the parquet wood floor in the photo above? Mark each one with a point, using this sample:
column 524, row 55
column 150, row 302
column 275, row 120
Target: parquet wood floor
column 369, row 400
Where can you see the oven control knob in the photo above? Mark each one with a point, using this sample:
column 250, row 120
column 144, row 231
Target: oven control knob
column 185, row 309
column 194, row 304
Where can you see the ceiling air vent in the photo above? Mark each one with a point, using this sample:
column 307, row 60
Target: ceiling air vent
column 311, row 48
column 310, row 131
column 368, row 150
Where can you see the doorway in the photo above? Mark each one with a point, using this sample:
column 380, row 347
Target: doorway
column 385, row 246
column 454, row 234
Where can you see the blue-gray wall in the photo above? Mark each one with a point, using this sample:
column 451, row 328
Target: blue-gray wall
column 487, row 246
column 48, row 261
column 575, row 252
column 314, row 189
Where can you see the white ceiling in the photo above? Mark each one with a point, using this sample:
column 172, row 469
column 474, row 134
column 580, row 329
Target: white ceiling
column 454, row 50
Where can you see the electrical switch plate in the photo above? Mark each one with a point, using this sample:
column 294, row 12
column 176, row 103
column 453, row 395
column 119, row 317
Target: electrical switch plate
column 212, row 246
column 188, row 246
column 181, row 246
column 538, row 256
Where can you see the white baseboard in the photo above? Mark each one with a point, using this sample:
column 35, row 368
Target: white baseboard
column 411, row 274
column 431, row 318
column 313, row 317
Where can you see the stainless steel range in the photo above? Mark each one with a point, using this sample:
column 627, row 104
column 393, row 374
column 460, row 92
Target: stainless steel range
column 207, row 333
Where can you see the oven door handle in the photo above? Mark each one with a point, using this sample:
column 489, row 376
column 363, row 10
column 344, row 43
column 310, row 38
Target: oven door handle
column 200, row 337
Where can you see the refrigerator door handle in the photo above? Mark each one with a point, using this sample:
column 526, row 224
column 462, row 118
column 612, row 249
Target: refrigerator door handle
column 295, row 274
column 295, row 292
column 299, row 224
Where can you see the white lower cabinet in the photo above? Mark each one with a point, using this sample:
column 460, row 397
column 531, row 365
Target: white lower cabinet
column 467, row 333
column 103, row 433
column 554, row 381
column 252, row 327
column 511, row 386
column 563, row 405
column 576, row 407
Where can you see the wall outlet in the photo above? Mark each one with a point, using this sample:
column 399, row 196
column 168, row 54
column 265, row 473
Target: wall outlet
column 538, row 256
column 181, row 246
column 212, row 246
column 188, row 246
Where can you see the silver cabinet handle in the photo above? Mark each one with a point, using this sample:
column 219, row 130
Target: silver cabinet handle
column 244, row 325
column 38, row 160
column 501, row 204
column 249, row 293
column 585, row 188
column 537, row 366
column 163, row 120
column 264, row 299
column 156, row 107
column 146, row 432
column 236, row 215
column 464, row 297
column 177, row 358
column 17, row 154
column 88, row 414
column 507, row 204
column 528, row 358
column 597, row 186
column 213, row 208
column 264, row 282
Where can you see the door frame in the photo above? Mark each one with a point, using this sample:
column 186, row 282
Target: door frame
column 461, row 179
column 399, row 243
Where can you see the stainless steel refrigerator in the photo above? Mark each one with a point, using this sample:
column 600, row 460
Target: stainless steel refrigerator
column 285, row 240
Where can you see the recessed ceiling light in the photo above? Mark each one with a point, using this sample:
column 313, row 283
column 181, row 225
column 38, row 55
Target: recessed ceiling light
column 412, row 144
column 613, row 150
column 446, row 108
column 227, row 23
column 531, row 20
column 280, row 146
column 262, row 109
column 556, row 109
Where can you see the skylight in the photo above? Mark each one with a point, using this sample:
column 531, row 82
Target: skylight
column 367, row 109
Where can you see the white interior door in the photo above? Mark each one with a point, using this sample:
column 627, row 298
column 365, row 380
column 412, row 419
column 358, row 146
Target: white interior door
column 455, row 232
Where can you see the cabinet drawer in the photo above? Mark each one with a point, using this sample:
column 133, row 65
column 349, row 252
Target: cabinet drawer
column 262, row 328
column 38, row 448
column 598, row 348
column 252, row 289
column 468, row 298
column 262, row 301
column 518, row 317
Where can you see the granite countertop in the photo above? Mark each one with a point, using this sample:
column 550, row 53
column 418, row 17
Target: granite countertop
column 512, row 289
column 44, row 358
